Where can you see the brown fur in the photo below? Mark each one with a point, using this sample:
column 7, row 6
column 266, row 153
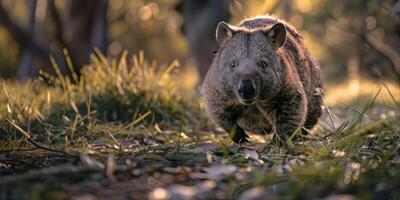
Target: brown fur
column 289, row 89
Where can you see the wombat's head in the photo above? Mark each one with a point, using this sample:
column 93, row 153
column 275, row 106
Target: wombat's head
column 247, row 65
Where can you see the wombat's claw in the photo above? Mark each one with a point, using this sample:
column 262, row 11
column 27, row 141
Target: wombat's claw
column 281, row 140
column 240, row 137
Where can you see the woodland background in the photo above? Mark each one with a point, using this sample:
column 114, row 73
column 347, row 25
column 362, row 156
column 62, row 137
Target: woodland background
column 350, row 38
column 99, row 100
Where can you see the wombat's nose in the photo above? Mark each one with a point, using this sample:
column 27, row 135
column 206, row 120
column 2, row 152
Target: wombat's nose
column 246, row 89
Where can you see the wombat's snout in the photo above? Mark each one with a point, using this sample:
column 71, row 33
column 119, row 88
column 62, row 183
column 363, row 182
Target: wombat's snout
column 247, row 91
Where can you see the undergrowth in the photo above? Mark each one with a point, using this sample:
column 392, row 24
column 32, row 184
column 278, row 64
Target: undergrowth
column 133, row 122
column 110, row 97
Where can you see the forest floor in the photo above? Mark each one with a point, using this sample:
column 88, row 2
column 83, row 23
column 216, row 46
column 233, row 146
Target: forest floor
column 129, row 129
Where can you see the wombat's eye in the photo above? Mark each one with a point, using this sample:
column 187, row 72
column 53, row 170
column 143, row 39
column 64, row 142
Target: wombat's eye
column 263, row 64
column 233, row 65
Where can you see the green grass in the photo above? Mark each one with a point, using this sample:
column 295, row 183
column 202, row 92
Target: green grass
column 129, row 128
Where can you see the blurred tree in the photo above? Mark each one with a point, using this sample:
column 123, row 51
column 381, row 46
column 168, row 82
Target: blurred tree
column 85, row 29
column 352, row 39
column 367, row 39
column 26, row 62
column 200, row 19
column 22, row 37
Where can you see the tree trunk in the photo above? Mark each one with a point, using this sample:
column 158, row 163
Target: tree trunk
column 201, row 18
column 26, row 63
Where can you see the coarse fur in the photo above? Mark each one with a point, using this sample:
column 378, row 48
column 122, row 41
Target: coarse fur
column 286, row 79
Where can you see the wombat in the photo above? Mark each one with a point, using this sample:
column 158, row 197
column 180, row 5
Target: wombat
column 262, row 80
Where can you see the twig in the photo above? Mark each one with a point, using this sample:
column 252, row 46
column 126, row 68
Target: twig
column 29, row 138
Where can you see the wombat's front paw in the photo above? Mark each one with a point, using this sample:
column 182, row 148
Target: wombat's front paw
column 280, row 140
column 284, row 133
column 240, row 136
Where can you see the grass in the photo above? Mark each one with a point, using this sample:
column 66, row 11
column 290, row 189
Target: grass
column 132, row 129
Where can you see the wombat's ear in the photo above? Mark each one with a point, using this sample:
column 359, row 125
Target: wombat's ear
column 277, row 34
column 224, row 33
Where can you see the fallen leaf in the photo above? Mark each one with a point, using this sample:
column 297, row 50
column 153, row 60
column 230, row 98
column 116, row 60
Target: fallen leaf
column 218, row 172
column 251, row 153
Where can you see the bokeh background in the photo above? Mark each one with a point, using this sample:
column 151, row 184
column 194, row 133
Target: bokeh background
column 353, row 40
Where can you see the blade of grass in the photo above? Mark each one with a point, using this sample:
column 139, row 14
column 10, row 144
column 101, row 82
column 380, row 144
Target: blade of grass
column 391, row 94
column 70, row 65
column 60, row 76
column 331, row 115
column 357, row 135
column 357, row 120
column 139, row 119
